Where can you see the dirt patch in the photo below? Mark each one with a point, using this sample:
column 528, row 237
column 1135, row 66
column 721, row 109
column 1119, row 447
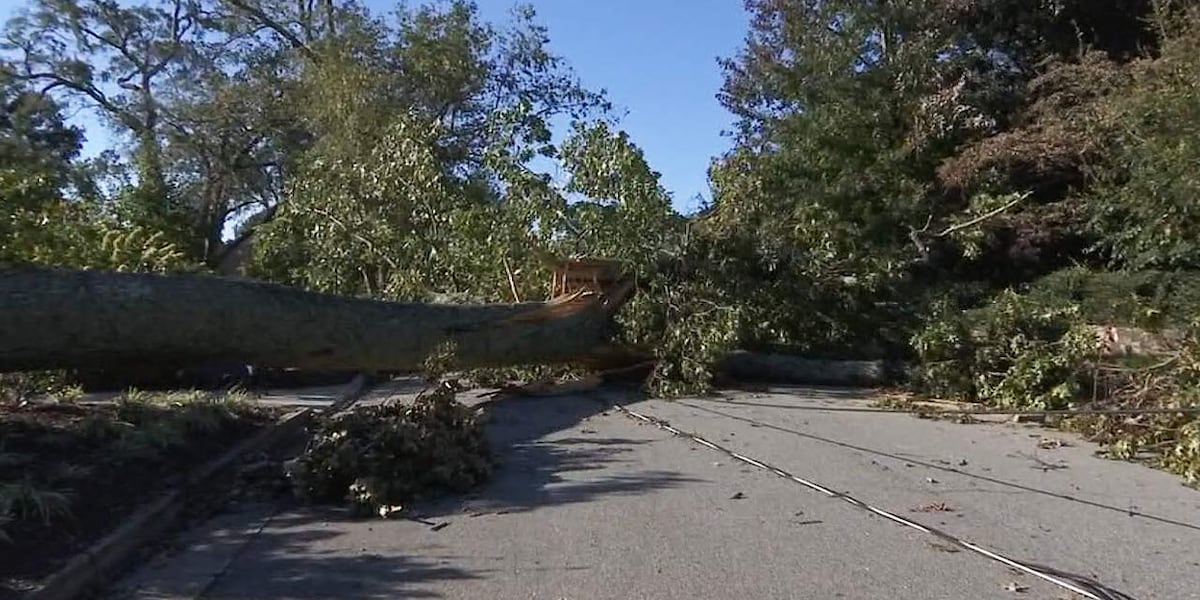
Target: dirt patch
column 70, row 473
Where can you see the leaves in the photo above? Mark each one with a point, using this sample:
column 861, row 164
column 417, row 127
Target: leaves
column 1144, row 206
column 394, row 454
column 1020, row 351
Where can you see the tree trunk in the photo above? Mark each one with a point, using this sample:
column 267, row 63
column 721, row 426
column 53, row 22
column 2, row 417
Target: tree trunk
column 782, row 368
column 53, row 319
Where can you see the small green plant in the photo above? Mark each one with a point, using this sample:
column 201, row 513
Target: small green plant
column 23, row 500
column 1183, row 457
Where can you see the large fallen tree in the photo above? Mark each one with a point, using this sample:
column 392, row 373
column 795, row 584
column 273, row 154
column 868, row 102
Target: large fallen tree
column 51, row 319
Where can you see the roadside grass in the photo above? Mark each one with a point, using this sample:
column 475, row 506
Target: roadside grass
column 71, row 467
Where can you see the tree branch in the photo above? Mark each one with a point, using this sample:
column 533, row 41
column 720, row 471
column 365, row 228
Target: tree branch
column 917, row 235
column 277, row 27
column 981, row 218
column 55, row 81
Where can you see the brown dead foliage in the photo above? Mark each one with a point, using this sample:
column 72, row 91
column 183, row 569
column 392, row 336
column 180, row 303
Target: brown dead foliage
column 1057, row 135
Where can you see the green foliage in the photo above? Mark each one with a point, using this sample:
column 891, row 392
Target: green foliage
column 18, row 387
column 1144, row 205
column 688, row 331
column 371, row 224
column 1183, row 457
column 1016, row 352
column 33, row 134
column 1146, row 299
column 385, row 457
column 148, row 425
column 825, row 169
column 418, row 186
column 138, row 249
column 75, row 234
column 1033, row 351
column 41, row 221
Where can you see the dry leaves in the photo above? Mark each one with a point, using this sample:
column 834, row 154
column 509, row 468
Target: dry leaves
column 1015, row 587
column 934, row 507
column 1052, row 443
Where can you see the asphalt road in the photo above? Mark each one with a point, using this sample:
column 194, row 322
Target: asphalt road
column 593, row 504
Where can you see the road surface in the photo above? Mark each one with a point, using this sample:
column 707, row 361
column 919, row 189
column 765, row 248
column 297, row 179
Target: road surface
column 593, row 503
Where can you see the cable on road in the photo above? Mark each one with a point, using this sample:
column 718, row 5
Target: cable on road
column 1064, row 412
column 1074, row 583
column 1129, row 511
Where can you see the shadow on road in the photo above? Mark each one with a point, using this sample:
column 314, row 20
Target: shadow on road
column 299, row 559
column 536, row 469
column 548, row 454
column 295, row 556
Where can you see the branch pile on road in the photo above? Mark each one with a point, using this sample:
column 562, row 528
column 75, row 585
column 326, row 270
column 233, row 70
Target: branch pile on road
column 379, row 459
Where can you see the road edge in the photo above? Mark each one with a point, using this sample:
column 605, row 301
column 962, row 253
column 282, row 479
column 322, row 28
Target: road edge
column 104, row 560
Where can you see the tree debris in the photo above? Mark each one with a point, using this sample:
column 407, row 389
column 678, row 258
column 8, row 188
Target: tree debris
column 381, row 459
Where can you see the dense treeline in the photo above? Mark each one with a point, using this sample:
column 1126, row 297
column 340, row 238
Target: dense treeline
column 967, row 184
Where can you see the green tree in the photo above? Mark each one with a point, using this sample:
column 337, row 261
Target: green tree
column 115, row 59
column 45, row 220
column 1144, row 208
column 423, row 132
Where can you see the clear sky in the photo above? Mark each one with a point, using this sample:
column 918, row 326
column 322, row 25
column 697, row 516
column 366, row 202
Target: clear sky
column 658, row 61
column 656, row 58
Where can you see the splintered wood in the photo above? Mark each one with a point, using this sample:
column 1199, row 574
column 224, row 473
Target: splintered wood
column 596, row 275
column 579, row 284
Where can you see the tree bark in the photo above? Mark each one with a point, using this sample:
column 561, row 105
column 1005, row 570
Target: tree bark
column 782, row 368
column 52, row 319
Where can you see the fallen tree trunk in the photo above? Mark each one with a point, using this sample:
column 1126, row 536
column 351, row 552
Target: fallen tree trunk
column 782, row 368
column 52, row 319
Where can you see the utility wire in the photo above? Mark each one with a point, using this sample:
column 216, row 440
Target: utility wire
column 1077, row 584
column 1065, row 412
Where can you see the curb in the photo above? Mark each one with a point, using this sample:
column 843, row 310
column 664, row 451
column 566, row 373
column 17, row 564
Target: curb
column 95, row 566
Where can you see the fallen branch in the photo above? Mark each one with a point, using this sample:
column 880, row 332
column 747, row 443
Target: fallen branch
column 981, row 218
column 918, row 235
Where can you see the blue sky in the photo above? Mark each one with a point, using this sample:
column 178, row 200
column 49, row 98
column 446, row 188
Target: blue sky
column 656, row 58
column 658, row 61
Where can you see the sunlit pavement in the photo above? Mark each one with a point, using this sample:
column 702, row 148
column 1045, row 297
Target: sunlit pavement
column 590, row 503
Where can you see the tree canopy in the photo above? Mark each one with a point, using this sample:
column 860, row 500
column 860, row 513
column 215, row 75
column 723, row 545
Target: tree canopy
column 920, row 179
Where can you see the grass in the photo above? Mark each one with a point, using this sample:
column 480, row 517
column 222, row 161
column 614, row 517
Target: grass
column 52, row 445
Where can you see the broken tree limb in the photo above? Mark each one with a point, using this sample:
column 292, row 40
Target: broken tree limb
column 52, row 319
